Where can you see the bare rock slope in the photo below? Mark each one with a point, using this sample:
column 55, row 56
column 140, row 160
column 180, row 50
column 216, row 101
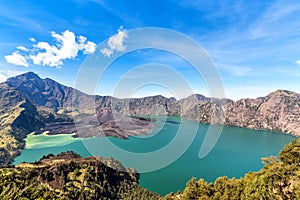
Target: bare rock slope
column 278, row 111
column 29, row 103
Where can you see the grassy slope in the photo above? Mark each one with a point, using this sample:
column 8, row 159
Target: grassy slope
column 19, row 117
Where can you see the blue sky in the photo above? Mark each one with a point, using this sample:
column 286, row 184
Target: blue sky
column 255, row 45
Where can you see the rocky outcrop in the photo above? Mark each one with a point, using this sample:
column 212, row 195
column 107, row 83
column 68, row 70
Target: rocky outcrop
column 46, row 92
column 105, row 123
column 69, row 176
column 278, row 111
column 29, row 103
column 19, row 117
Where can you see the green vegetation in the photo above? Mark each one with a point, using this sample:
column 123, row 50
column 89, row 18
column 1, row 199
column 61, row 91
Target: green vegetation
column 19, row 117
column 279, row 179
column 68, row 176
column 28, row 103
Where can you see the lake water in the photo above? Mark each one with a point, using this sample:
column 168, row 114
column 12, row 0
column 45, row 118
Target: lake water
column 237, row 152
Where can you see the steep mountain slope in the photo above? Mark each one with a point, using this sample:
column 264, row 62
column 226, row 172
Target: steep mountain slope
column 68, row 176
column 46, row 92
column 107, row 122
column 28, row 103
column 278, row 111
column 18, row 117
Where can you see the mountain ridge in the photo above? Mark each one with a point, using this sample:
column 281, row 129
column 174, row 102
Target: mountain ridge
column 49, row 101
column 34, row 75
column 277, row 111
column 198, row 95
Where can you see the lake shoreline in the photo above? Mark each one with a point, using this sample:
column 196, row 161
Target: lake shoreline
column 233, row 151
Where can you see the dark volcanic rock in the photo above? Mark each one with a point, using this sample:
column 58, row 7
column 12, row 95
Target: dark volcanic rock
column 48, row 93
column 279, row 111
column 106, row 115
column 106, row 123
column 18, row 117
column 28, row 103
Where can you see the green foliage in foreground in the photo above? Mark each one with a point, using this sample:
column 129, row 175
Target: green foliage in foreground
column 68, row 176
column 279, row 179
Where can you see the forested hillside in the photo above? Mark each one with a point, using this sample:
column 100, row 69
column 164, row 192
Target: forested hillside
column 68, row 176
column 279, row 179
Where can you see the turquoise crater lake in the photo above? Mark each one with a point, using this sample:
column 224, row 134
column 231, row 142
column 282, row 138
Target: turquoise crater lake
column 237, row 152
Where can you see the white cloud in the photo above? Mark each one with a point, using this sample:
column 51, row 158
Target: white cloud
column 6, row 72
column 22, row 48
column 16, row 59
column 297, row 62
column 88, row 47
column 115, row 43
column 67, row 46
column 32, row 39
column 2, row 78
column 105, row 51
column 47, row 57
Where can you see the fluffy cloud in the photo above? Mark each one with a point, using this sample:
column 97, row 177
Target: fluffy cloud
column 32, row 39
column 115, row 43
column 67, row 46
column 5, row 73
column 297, row 62
column 2, row 78
column 17, row 59
column 105, row 51
column 22, row 48
column 88, row 47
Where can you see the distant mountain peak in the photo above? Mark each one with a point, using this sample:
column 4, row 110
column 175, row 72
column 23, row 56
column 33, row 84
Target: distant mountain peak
column 198, row 97
column 27, row 75
column 282, row 92
column 279, row 111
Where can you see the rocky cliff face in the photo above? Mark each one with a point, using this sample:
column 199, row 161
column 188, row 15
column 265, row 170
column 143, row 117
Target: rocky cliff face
column 278, row 111
column 107, row 122
column 28, row 103
column 18, row 117
column 46, row 92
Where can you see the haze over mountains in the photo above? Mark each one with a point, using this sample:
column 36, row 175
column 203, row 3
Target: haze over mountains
column 28, row 103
